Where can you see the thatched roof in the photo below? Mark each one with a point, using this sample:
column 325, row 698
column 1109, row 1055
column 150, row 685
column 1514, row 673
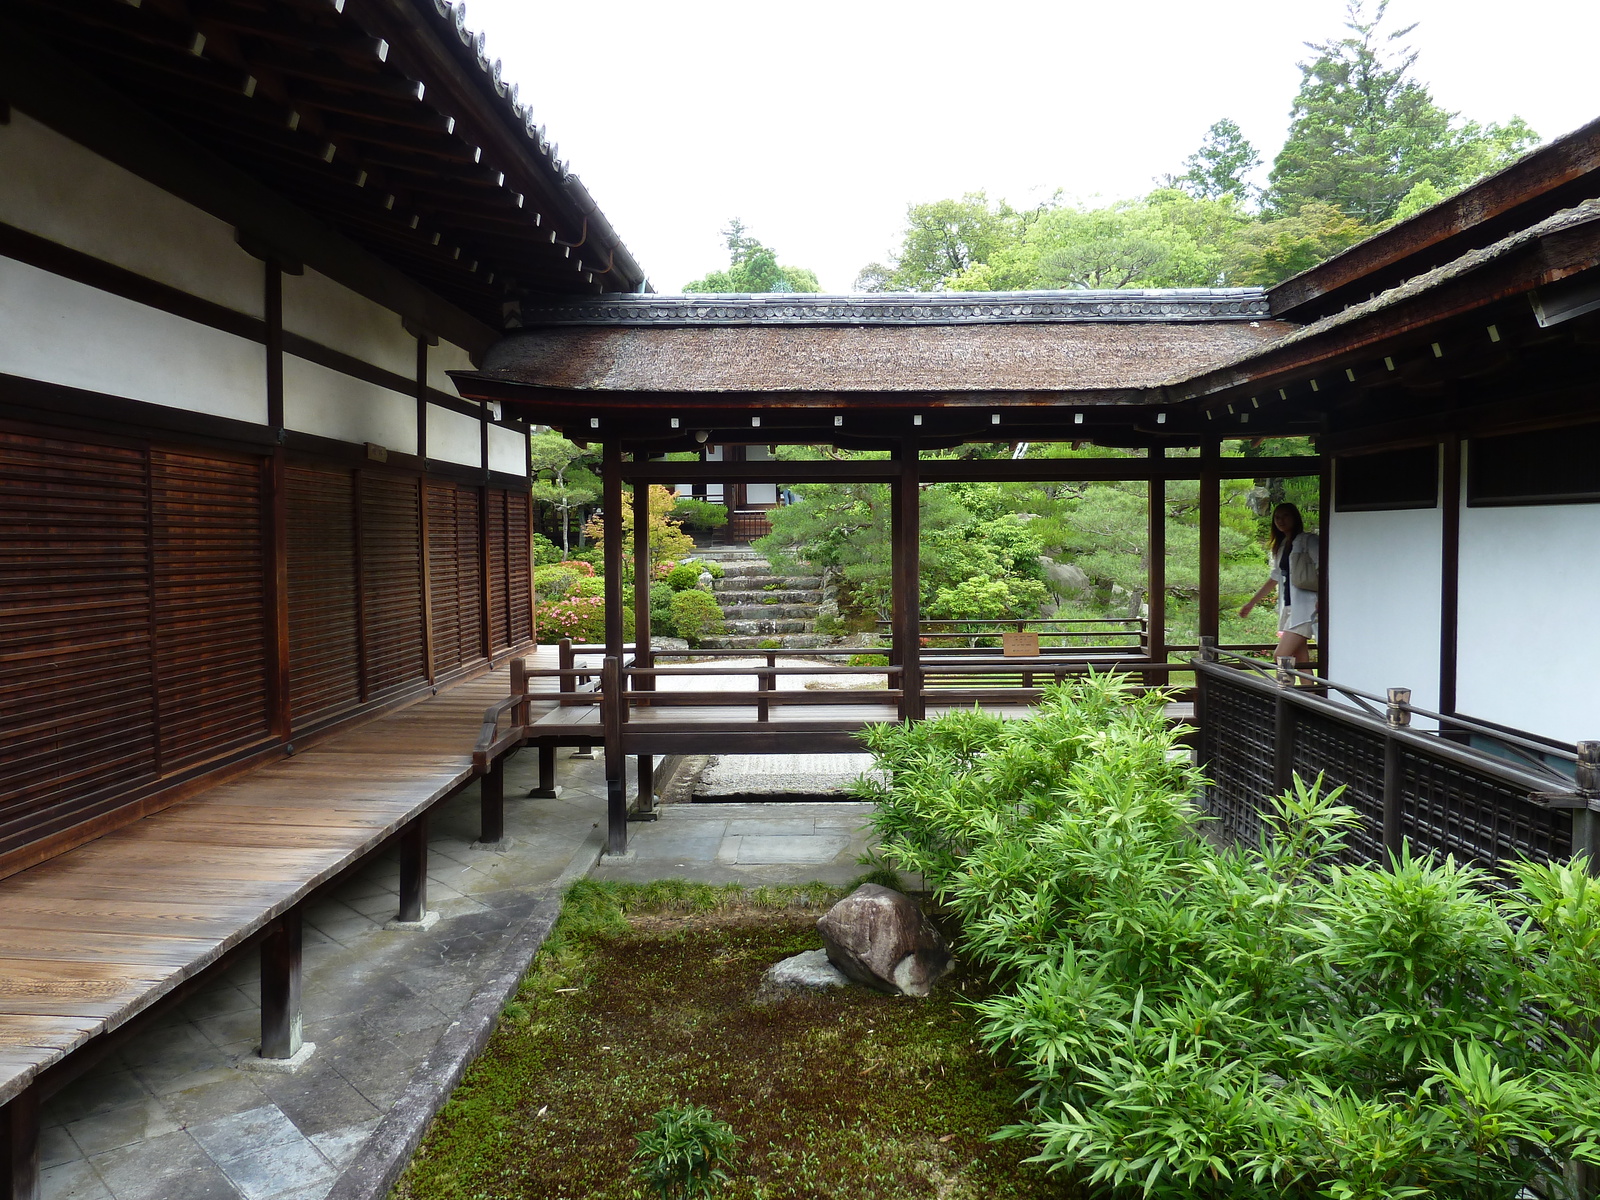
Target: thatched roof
column 972, row 352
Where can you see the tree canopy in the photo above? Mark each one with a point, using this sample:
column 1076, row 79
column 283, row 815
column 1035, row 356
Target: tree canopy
column 1367, row 146
column 753, row 267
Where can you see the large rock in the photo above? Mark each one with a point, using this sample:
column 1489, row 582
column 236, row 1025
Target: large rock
column 880, row 938
column 1065, row 579
column 806, row 972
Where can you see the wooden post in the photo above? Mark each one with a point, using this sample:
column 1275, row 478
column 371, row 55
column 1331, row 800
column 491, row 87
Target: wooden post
column 492, row 803
column 907, row 585
column 644, row 808
column 616, row 783
column 1325, row 518
column 1399, row 717
column 1210, row 537
column 1156, row 568
column 547, row 789
column 611, row 523
column 1449, row 575
column 281, row 1020
column 766, row 683
column 1283, row 728
column 277, row 596
column 1202, row 684
column 19, row 1146
column 1586, row 820
column 413, row 871
column 641, row 582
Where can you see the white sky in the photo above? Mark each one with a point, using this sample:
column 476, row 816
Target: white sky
column 816, row 123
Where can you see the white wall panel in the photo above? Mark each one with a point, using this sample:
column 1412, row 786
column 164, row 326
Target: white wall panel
column 1530, row 583
column 69, row 333
column 55, row 188
column 334, row 405
column 446, row 357
column 508, row 451
column 329, row 313
column 1383, row 599
column 453, row 437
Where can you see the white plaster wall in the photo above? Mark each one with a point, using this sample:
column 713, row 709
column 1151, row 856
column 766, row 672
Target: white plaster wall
column 334, row 405
column 453, row 437
column 508, row 451
column 55, row 188
column 330, row 314
column 64, row 332
column 1530, row 583
column 1383, row 598
column 446, row 356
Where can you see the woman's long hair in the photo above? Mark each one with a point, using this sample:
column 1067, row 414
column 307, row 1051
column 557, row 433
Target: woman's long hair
column 1276, row 542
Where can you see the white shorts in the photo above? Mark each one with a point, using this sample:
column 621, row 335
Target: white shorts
column 1289, row 623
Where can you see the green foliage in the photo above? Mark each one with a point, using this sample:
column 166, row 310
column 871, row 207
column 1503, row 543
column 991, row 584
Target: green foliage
column 1219, row 167
column 699, row 514
column 542, row 551
column 683, row 1154
column 696, row 616
column 562, row 480
column 753, row 267
column 668, row 543
column 1249, row 1021
column 714, row 569
column 684, row 576
column 943, row 239
column 1363, row 133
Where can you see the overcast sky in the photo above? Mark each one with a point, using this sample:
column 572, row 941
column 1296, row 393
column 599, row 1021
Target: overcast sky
column 817, row 123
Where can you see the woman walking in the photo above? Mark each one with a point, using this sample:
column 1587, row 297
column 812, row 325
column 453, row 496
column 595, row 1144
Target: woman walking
column 1296, row 557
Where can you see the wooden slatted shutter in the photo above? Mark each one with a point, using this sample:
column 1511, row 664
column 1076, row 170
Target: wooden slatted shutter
column 495, row 560
column 519, row 570
column 443, row 584
column 469, row 574
column 77, row 687
column 324, row 631
column 210, row 614
column 391, row 583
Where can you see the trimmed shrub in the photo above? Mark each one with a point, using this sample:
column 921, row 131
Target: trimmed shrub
column 699, row 514
column 542, row 550
column 683, row 577
column 696, row 616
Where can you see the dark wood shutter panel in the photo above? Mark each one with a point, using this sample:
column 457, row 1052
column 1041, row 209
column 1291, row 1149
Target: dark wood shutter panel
column 77, row 688
column 519, row 573
column 499, row 623
column 469, row 575
column 442, row 576
column 209, row 607
column 324, row 645
column 391, row 581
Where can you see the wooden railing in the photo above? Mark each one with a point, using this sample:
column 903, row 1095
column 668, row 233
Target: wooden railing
column 1478, row 792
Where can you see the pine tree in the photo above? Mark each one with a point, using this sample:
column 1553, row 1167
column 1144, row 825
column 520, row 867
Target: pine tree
column 1219, row 167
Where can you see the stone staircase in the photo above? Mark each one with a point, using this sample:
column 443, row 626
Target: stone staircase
column 763, row 607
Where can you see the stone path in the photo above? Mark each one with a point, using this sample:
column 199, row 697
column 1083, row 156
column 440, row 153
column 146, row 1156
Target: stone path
column 739, row 776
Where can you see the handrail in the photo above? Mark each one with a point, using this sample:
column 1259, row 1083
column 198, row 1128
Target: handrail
column 1537, row 772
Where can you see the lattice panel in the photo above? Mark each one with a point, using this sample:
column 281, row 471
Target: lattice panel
column 1236, row 745
column 1344, row 754
column 1449, row 809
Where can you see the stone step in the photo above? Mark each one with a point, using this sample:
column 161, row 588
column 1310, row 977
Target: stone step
column 768, row 627
column 792, row 641
column 767, row 612
column 777, row 596
column 750, row 583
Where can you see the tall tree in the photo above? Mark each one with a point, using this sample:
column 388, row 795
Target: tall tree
column 561, row 479
column 753, row 267
column 944, row 238
column 1218, row 168
column 1363, row 132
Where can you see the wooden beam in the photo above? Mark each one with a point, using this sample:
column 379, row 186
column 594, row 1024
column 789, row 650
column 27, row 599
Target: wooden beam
column 413, row 871
column 612, row 682
column 906, row 496
column 19, row 1146
column 973, row 470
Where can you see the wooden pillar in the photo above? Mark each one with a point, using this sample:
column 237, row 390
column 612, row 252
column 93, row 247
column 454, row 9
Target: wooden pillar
column 492, row 803
column 281, row 1019
column 1283, row 728
column 641, row 629
column 19, row 1146
column 429, row 655
column 413, row 871
column 1450, row 574
column 611, row 676
column 1325, row 519
column 907, row 581
column 1156, row 571
column 1399, row 717
column 1586, row 817
column 277, row 523
column 1210, row 537
column 547, row 789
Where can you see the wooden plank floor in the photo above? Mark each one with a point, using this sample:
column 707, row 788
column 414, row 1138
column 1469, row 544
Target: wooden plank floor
column 96, row 935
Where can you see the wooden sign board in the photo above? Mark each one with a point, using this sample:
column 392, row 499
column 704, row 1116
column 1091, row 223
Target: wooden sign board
column 1020, row 645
